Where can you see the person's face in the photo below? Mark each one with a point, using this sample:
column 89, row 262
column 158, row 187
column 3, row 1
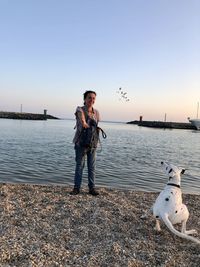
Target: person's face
column 90, row 100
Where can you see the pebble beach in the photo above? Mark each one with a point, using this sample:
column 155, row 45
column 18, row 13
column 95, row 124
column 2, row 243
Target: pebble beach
column 46, row 226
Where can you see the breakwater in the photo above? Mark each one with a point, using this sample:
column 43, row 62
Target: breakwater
column 25, row 116
column 164, row 125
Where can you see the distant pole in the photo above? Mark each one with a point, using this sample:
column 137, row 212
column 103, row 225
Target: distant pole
column 197, row 110
column 21, row 108
column 165, row 117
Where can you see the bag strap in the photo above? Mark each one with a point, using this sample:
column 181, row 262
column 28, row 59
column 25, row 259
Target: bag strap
column 104, row 135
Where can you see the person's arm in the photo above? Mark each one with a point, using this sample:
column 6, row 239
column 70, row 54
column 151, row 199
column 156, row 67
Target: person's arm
column 81, row 117
column 98, row 116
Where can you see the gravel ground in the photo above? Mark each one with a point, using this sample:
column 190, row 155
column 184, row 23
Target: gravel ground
column 46, row 226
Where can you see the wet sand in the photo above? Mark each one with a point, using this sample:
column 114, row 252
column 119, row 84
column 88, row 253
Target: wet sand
column 46, row 226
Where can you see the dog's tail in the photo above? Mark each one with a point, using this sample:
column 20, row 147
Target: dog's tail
column 173, row 230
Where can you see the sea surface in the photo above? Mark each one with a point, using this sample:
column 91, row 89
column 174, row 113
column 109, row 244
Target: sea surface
column 42, row 152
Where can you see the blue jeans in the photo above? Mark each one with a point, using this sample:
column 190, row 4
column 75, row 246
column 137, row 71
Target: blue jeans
column 81, row 153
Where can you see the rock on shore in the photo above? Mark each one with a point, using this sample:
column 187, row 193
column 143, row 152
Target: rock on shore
column 46, row 226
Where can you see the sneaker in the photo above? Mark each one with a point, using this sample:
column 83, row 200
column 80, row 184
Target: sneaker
column 93, row 192
column 75, row 191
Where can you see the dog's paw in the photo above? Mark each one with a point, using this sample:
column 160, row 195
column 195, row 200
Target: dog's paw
column 157, row 229
column 191, row 232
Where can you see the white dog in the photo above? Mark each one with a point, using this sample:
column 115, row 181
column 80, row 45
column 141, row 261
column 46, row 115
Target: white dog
column 168, row 206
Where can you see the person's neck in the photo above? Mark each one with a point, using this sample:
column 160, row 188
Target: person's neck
column 89, row 108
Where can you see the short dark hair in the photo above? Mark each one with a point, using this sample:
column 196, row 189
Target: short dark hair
column 87, row 93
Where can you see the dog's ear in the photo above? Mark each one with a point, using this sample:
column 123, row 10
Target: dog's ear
column 182, row 171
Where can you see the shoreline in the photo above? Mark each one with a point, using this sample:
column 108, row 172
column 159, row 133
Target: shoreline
column 43, row 225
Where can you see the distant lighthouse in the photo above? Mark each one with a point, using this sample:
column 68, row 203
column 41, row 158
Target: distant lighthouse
column 45, row 114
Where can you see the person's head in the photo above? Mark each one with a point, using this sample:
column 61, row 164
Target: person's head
column 89, row 98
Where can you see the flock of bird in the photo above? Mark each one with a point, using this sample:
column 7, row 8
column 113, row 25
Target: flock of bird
column 122, row 95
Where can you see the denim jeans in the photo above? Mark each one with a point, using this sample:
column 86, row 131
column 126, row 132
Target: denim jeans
column 81, row 154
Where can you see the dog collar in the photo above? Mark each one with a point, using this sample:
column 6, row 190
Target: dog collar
column 176, row 185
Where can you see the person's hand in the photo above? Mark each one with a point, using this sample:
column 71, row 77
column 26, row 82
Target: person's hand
column 85, row 125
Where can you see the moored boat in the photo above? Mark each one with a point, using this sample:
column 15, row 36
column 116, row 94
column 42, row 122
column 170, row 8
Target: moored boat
column 196, row 122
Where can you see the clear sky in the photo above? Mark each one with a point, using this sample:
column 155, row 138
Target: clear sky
column 51, row 51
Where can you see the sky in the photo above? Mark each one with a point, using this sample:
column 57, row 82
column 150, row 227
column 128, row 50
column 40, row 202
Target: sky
column 52, row 51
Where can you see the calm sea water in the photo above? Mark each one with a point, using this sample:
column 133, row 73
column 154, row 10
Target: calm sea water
column 41, row 152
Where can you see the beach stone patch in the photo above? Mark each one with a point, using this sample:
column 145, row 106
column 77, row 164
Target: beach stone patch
column 46, row 226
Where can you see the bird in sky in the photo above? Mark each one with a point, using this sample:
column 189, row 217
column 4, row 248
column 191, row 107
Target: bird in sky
column 122, row 95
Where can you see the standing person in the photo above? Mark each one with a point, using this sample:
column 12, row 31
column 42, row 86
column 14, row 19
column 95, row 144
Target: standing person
column 85, row 116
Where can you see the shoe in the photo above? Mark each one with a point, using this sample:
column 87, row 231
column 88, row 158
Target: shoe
column 75, row 191
column 93, row 192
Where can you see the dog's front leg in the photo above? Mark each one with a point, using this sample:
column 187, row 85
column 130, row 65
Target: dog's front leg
column 183, row 227
column 189, row 232
column 157, row 227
